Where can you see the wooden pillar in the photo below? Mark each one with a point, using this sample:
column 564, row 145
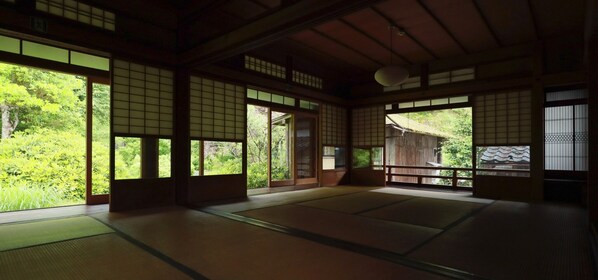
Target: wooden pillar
column 593, row 129
column 149, row 157
column 537, row 119
column 182, row 143
column 592, row 67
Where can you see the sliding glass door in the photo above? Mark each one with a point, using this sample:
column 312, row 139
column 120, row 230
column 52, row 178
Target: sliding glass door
column 281, row 147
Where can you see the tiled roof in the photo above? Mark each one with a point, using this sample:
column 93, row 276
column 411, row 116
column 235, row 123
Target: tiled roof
column 413, row 126
column 505, row 154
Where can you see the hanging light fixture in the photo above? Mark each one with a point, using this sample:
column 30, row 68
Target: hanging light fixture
column 392, row 75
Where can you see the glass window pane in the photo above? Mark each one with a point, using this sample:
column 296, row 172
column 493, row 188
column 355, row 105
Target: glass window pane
column 503, row 161
column 45, row 52
column 100, row 139
column 195, row 158
column 91, row 61
column 222, row 158
column 361, row 158
column 377, row 158
column 127, row 158
column 164, row 165
column 252, row 93
column 289, row 101
column 442, row 101
column 459, row 99
column 8, row 44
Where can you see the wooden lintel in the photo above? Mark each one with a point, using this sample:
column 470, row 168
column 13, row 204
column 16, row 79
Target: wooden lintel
column 288, row 20
column 251, row 79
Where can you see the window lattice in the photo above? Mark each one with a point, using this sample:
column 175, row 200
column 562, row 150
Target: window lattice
column 307, row 79
column 143, row 99
column 77, row 11
column 265, row 67
column 503, row 118
column 304, row 104
column 368, row 126
column 411, row 82
column 452, row 76
column 217, row 110
column 334, row 125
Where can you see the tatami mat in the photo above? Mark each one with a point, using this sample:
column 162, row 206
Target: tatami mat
column 385, row 235
column 513, row 240
column 223, row 249
column 440, row 194
column 358, row 202
column 427, row 212
column 273, row 199
column 99, row 257
column 21, row 235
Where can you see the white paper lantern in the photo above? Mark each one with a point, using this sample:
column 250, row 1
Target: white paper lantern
column 392, row 75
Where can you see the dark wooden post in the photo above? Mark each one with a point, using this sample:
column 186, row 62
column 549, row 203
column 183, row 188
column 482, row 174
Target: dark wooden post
column 149, row 157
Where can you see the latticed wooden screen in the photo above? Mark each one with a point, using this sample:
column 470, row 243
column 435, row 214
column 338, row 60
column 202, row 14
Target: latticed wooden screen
column 368, row 126
column 143, row 99
column 217, row 110
column 502, row 118
column 334, row 125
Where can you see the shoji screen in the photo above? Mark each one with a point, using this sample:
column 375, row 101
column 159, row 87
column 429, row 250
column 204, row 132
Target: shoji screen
column 368, row 126
column 334, row 125
column 143, row 99
column 217, row 110
column 503, row 118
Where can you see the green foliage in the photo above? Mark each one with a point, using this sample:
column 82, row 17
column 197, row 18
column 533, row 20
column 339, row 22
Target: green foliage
column 41, row 98
column 45, row 160
column 361, row 158
column 15, row 197
column 127, row 161
column 257, row 175
column 257, row 147
column 223, row 158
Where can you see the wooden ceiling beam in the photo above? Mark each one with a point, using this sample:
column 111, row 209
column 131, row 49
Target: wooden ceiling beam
column 282, row 23
column 415, row 40
column 487, row 23
column 360, row 31
column 443, row 26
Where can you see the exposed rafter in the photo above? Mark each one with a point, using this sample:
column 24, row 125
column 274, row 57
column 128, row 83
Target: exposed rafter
column 441, row 24
column 487, row 23
column 331, row 62
column 284, row 22
column 360, row 31
column 346, row 46
column 415, row 40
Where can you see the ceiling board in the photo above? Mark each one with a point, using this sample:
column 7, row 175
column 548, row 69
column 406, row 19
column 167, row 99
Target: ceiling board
column 314, row 40
column 416, row 21
column 358, row 41
column 377, row 27
column 462, row 19
column 510, row 19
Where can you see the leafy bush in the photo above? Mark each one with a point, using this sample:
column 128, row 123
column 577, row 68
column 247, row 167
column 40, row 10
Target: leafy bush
column 257, row 175
column 43, row 165
column 14, row 197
